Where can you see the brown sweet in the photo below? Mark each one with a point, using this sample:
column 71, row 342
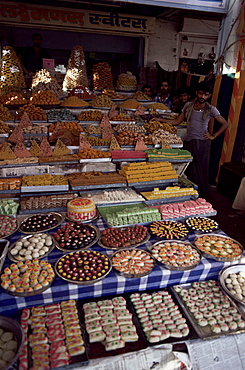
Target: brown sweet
column 5, row 114
column 6, row 152
column 21, row 151
column 17, row 135
column 34, row 113
column 44, row 98
column 35, row 149
column 4, row 128
column 46, row 148
column 84, row 144
column 90, row 115
column 74, row 101
column 114, row 144
column 65, row 125
column 93, row 153
column 60, row 149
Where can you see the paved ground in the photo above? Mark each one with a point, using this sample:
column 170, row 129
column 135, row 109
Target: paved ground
column 234, row 227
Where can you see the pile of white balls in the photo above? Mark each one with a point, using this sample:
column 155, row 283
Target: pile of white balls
column 235, row 283
column 32, row 246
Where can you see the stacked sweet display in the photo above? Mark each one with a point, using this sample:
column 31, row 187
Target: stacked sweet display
column 109, row 169
column 11, row 73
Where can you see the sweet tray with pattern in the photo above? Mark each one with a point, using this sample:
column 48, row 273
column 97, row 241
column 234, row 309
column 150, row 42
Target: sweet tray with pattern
column 210, row 310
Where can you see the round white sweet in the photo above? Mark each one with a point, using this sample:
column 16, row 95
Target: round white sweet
column 48, row 242
column 14, row 251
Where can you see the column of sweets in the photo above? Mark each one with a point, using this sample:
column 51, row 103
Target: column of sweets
column 76, row 73
column 11, row 73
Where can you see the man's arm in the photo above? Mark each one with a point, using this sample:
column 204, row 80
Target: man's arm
column 224, row 125
column 175, row 121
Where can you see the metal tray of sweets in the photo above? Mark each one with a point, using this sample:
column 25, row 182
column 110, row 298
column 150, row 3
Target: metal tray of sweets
column 13, row 230
column 223, row 238
column 172, row 266
column 44, row 188
column 42, row 210
column 205, row 332
column 90, row 194
column 161, row 201
column 97, row 350
column 95, row 160
column 153, row 183
column 4, row 244
column 171, row 160
column 98, row 186
column 192, row 332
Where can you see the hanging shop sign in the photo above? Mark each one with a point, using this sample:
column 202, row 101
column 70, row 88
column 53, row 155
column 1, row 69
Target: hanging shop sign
column 216, row 6
column 29, row 15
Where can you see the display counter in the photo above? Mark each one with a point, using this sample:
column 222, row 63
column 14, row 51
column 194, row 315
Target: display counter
column 113, row 283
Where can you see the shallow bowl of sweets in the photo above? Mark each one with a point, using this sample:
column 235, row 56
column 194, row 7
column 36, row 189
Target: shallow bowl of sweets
column 176, row 254
column 202, row 224
column 74, row 236
column 83, row 267
column 232, row 280
column 125, row 237
column 12, row 339
column 40, row 222
column 219, row 247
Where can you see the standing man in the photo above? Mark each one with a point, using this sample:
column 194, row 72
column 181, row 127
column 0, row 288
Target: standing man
column 197, row 114
column 164, row 95
column 32, row 58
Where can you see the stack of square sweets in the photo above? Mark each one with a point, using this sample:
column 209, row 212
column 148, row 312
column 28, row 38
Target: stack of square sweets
column 133, row 215
column 53, row 333
column 110, row 322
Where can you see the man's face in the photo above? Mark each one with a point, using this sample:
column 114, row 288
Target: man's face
column 164, row 87
column 202, row 96
column 37, row 40
column 184, row 98
column 147, row 91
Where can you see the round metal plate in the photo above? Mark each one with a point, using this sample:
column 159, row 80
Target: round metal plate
column 12, row 232
column 30, row 294
column 25, row 238
column 204, row 219
column 224, row 274
column 87, row 246
column 177, row 268
column 58, row 217
column 147, row 238
column 223, row 238
column 131, row 251
column 77, row 282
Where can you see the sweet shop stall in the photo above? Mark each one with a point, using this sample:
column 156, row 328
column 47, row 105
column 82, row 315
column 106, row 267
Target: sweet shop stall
column 106, row 247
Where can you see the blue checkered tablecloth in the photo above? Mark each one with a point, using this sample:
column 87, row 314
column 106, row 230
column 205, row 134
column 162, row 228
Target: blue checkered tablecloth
column 112, row 284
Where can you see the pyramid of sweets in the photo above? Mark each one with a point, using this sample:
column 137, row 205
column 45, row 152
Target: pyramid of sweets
column 126, row 81
column 76, row 73
column 43, row 81
column 102, row 76
column 11, row 73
